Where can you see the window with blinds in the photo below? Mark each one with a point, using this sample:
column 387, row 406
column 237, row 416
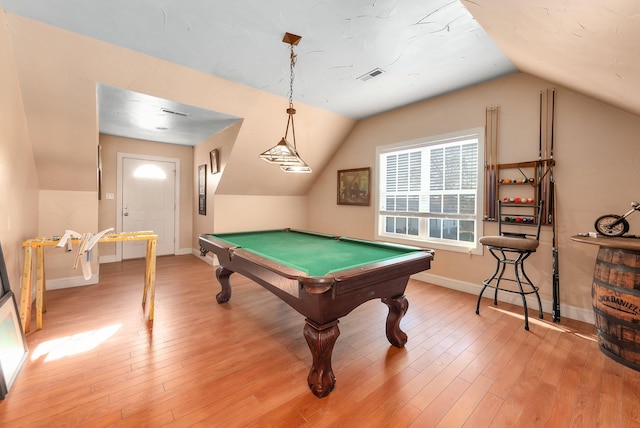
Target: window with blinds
column 428, row 191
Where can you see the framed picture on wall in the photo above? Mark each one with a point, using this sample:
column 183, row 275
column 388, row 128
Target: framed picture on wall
column 214, row 160
column 202, row 189
column 99, row 172
column 354, row 186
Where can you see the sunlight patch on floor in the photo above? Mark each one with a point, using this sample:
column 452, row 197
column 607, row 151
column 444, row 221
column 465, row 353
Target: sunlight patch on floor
column 542, row 323
column 591, row 337
column 66, row 346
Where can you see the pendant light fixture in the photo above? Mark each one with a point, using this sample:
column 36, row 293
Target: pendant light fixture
column 284, row 153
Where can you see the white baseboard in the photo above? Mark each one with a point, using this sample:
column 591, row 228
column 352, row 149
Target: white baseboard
column 108, row 259
column 566, row 311
column 572, row 312
column 72, row 281
column 113, row 258
column 209, row 259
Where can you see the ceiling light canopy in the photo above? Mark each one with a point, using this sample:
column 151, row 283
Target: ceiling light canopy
column 284, row 153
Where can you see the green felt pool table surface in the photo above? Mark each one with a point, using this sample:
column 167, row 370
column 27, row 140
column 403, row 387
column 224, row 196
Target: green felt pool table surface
column 312, row 253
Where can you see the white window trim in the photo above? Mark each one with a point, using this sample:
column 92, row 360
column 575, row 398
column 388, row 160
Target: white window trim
column 472, row 248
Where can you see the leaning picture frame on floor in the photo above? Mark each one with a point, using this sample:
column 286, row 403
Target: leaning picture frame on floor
column 13, row 346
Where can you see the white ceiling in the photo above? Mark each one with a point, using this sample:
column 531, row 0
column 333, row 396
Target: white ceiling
column 131, row 114
column 424, row 47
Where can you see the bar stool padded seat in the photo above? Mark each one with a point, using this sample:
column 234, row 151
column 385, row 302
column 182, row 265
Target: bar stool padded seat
column 516, row 243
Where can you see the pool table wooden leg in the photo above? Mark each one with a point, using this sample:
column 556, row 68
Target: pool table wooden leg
column 223, row 274
column 397, row 308
column 321, row 340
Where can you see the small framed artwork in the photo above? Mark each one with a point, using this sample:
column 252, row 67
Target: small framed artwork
column 354, row 186
column 202, row 189
column 214, row 160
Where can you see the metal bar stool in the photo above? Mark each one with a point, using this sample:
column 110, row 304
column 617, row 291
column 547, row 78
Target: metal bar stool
column 512, row 247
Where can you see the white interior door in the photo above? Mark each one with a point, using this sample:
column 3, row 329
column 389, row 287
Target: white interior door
column 148, row 203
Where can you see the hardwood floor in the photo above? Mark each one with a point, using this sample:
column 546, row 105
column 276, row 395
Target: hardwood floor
column 245, row 363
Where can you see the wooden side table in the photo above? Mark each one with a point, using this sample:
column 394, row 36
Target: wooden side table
column 38, row 244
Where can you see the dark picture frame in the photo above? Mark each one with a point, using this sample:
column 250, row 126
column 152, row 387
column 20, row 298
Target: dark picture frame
column 202, row 189
column 99, row 172
column 354, row 186
column 5, row 288
column 214, row 161
column 13, row 346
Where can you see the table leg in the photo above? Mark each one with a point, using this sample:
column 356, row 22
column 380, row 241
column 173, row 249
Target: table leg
column 223, row 274
column 147, row 275
column 39, row 286
column 397, row 308
column 25, row 294
column 150, row 278
column 321, row 340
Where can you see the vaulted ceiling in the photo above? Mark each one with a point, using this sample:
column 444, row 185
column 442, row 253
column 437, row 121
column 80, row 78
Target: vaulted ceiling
column 423, row 48
column 589, row 46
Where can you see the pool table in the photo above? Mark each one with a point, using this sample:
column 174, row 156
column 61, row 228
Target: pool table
column 323, row 277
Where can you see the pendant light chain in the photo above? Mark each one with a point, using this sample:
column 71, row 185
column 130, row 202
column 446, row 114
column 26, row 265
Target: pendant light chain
column 292, row 64
column 291, row 111
column 284, row 153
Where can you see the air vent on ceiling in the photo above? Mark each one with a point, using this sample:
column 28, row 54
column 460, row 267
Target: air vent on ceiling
column 177, row 113
column 371, row 74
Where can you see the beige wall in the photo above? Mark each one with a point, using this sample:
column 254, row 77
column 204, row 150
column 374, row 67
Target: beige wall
column 223, row 142
column 596, row 151
column 58, row 73
column 61, row 210
column 234, row 212
column 18, row 176
column 242, row 212
column 598, row 167
column 111, row 146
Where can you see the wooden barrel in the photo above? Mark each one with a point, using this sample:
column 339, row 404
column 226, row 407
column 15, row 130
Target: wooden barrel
column 616, row 304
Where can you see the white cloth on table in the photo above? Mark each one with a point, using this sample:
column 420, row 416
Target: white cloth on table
column 85, row 249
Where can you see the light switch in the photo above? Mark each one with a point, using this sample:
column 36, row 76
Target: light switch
column 109, row 196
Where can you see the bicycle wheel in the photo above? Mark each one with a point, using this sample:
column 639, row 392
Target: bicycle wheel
column 612, row 225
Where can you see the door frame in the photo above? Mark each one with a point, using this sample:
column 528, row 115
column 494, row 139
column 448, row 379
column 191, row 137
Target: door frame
column 176, row 211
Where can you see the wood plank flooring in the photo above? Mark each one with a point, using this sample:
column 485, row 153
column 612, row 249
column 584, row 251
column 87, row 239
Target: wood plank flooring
column 245, row 363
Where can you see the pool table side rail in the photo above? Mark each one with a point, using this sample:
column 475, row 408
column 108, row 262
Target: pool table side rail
column 386, row 244
column 251, row 265
column 320, row 299
column 403, row 266
column 220, row 236
column 417, row 260
column 226, row 251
